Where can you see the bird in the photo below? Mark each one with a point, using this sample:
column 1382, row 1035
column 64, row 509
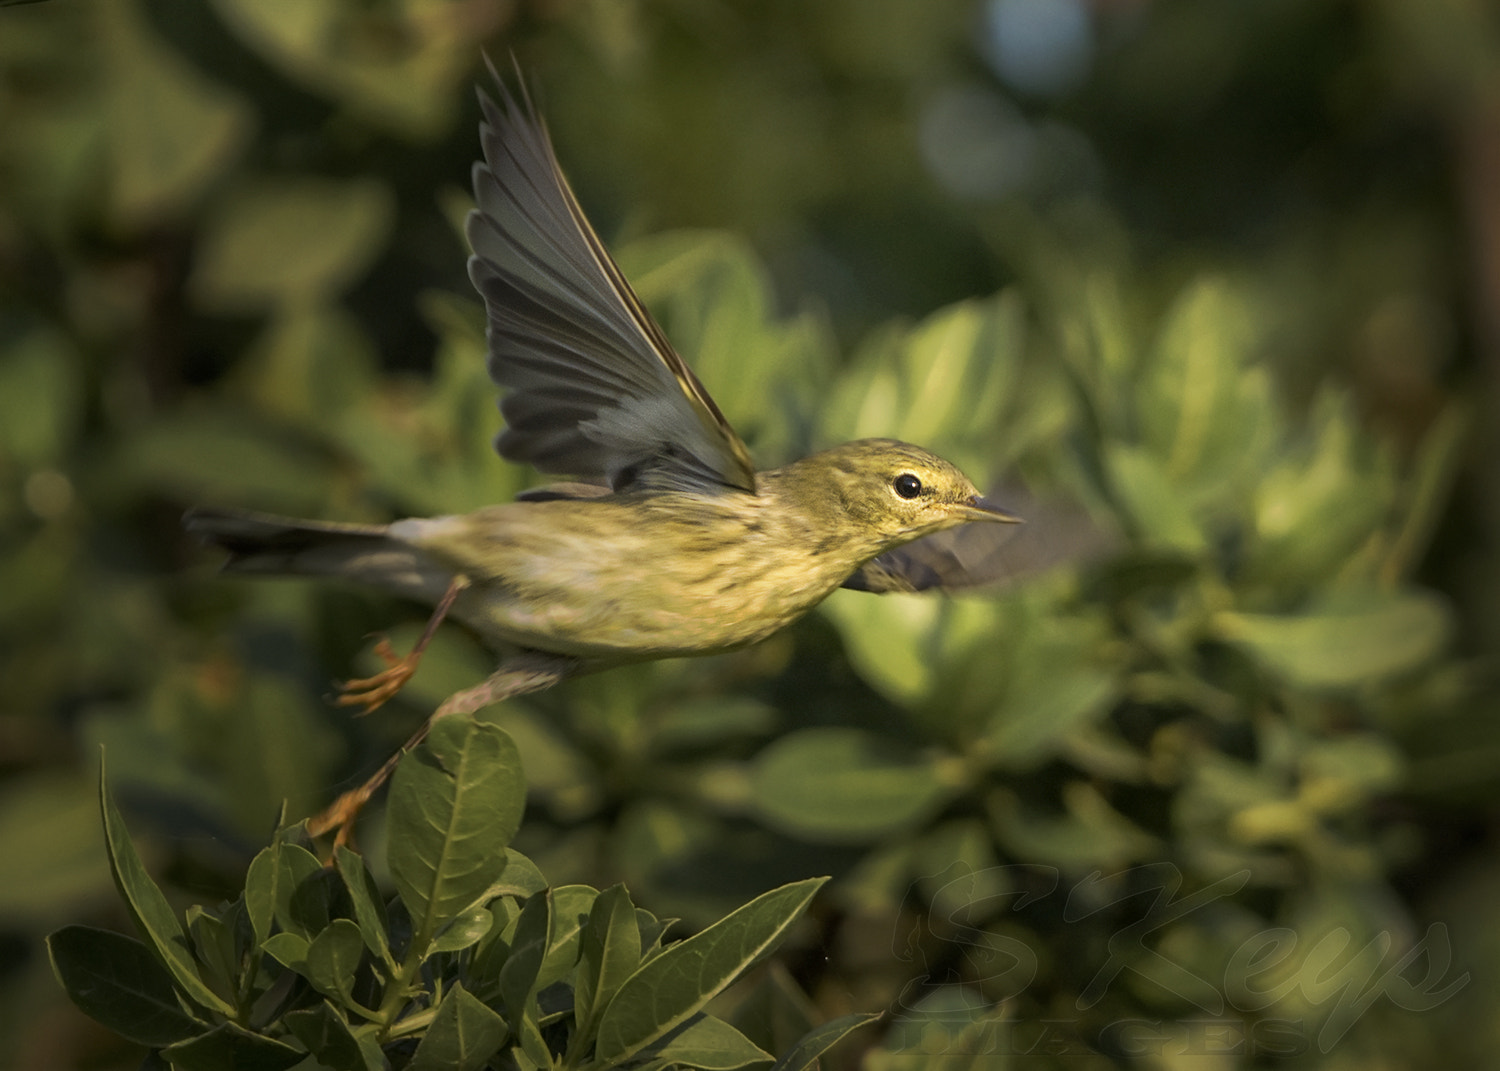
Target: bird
column 666, row 541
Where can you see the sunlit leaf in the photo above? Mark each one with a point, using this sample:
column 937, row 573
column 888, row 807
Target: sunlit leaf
column 944, row 383
column 1350, row 640
column 455, row 803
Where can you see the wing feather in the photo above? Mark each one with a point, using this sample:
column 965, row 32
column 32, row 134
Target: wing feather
column 592, row 388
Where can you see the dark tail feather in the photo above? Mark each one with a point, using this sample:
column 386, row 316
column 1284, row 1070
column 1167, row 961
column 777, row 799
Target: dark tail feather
column 266, row 543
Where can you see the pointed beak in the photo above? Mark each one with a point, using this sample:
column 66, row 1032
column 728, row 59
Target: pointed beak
column 979, row 508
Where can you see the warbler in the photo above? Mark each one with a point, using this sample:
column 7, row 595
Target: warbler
column 671, row 543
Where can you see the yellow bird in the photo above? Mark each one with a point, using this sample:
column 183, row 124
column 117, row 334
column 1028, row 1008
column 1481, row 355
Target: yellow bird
column 672, row 544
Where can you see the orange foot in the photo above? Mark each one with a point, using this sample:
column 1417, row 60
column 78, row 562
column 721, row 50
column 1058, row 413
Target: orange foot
column 371, row 692
column 339, row 819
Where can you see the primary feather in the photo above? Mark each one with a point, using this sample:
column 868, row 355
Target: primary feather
column 592, row 387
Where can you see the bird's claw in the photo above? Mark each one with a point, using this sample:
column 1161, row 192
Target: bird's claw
column 339, row 818
column 372, row 692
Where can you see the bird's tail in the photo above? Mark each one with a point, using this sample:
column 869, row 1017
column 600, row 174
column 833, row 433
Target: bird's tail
column 262, row 543
column 265, row 543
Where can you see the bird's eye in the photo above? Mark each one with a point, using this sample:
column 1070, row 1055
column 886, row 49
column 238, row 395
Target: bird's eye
column 907, row 485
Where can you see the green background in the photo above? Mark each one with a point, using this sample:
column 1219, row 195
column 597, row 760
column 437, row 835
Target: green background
column 1219, row 283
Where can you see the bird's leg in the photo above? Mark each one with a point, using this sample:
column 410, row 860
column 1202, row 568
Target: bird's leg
column 529, row 672
column 371, row 692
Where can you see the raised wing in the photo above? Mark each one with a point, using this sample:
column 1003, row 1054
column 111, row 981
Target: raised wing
column 592, row 387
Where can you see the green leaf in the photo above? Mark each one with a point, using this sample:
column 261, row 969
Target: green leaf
column 407, row 90
column 170, row 131
column 674, row 986
column 296, row 241
column 942, row 382
column 116, row 981
column 1160, row 510
column 884, row 639
column 455, row 803
column 653, row 931
column 571, row 905
column 528, row 948
column 303, row 892
column 333, row 958
column 464, row 1034
column 520, row 878
column 369, row 909
column 708, row 1044
column 261, row 894
column 1205, row 411
column 1312, row 512
column 325, row 1032
column 1350, row 639
column 1044, row 707
column 231, row 1046
column 40, row 398
column 149, row 910
column 464, row 930
column 313, row 366
column 288, row 949
column 845, row 785
column 609, row 953
column 803, row 1056
column 915, row 649
column 215, row 949
column 1090, row 834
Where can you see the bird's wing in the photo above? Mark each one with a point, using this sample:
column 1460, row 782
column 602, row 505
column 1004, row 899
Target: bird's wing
column 1057, row 532
column 592, row 387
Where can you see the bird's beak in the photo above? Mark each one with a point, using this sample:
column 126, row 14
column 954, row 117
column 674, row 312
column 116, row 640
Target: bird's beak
column 979, row 508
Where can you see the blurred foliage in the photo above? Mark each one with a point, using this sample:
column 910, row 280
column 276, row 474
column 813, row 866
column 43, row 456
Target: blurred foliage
column 1221, row 277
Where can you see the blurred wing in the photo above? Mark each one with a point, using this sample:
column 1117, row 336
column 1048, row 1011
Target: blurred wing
column 977, row 555
column 593, row 388
column 959, row 558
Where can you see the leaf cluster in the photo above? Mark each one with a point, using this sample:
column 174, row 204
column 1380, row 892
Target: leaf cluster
column 475, row 963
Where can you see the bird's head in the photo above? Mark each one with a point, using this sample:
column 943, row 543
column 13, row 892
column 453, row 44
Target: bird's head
column 889, row 492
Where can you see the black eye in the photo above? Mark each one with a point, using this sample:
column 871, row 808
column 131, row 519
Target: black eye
column 907, row 485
